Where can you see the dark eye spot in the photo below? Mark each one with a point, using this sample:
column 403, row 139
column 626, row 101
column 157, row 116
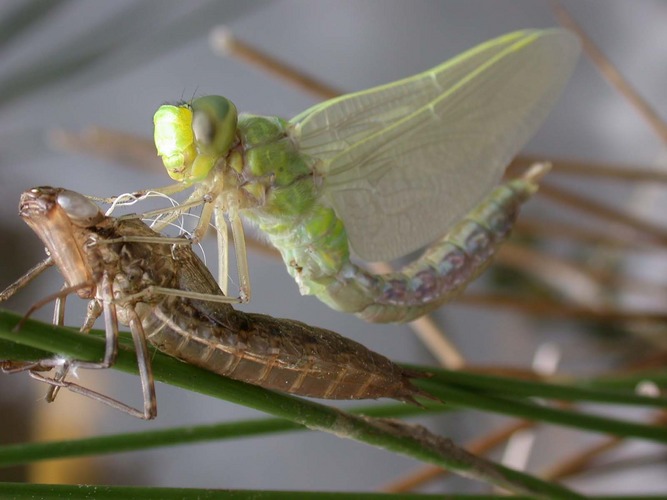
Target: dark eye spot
column 203, row 128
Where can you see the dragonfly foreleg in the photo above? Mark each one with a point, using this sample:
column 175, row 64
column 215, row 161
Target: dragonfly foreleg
column 238, row 234
column 59, row 309
column 65, row 291
column 111, row 351
column 93, row 311
column 26, row 278
column 43, row 365
column 152, row 291
column 145, row 367
column 84, row 391
column 59, row 320
column 110, row 328
column 35, row 367
column 223, row 249
column 61, row 372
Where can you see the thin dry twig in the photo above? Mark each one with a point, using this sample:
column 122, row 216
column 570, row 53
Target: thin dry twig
column 437, row 342
column 611, row 73
column 600, row 236
column 572, row 280
column 110, row 144
column 544, row 307
column 624, row 173
column 643, row 230
column 577, row 281
column 223, row 42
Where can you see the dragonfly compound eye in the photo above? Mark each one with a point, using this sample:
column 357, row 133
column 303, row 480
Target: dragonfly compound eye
column 214, row 124
column 79, row 209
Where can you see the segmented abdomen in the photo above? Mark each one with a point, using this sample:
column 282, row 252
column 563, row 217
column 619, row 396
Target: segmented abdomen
column 279, row 354
column 445, row 268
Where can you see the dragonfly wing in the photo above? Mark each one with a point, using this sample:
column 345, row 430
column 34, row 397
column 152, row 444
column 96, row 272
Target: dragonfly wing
column 402, row 163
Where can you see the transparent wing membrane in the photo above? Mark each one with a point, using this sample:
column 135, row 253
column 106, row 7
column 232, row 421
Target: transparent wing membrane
column 402, row 163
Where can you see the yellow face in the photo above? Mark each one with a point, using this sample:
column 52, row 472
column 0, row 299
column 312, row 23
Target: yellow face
column 192, row 138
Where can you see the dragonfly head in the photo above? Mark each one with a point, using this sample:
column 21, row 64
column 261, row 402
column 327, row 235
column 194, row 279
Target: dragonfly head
column 191, row 138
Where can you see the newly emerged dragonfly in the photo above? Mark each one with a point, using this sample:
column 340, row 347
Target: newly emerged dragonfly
column 161, row 289
column 381, row 172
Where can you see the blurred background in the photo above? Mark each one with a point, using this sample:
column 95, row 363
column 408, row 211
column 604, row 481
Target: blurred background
column 113, row 63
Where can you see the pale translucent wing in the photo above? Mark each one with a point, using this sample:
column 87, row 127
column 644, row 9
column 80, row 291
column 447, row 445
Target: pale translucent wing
column 402, row 163
column 329, row 128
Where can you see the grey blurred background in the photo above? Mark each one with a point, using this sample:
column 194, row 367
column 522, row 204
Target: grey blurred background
column 352, row 45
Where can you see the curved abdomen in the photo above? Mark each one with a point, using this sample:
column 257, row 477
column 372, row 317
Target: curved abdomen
column 445, row 268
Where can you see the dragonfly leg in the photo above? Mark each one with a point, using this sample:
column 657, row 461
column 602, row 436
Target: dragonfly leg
column 60, row 375
column 79, row 389
column 43, row 365
column 49, row 298
column 238, row 234
column 59, row 309
column 204, row 221
column 111, row 351
column 26, row 278
column 94, row 310
column 58, row 320
column 156, row 240
column 223, row 249
column 35, row 367
column 145, row 367
column 110, row 328
column 177, row 292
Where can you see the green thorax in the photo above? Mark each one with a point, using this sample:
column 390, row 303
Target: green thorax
column 284, row 201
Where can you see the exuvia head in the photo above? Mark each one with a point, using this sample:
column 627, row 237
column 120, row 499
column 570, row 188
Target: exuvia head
column 42, row 202
column 191, row 138
column 62, row 219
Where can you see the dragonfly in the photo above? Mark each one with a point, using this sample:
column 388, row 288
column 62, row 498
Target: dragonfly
column 375, row 175
column 160, row 288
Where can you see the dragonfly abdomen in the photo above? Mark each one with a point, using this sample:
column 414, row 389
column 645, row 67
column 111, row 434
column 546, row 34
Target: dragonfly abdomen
column 445, row 268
